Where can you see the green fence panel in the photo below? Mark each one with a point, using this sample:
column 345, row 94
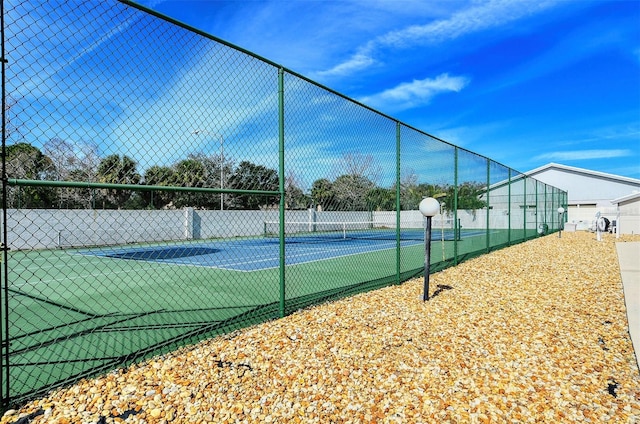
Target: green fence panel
column 164, row 186
column 472, row 230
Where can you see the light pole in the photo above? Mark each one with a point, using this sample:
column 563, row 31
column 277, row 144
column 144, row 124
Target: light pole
column 561, row 220
column 221, row 138
column 429, row 207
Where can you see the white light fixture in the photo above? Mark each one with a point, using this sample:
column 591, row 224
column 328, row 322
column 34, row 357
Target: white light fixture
column 429, row 207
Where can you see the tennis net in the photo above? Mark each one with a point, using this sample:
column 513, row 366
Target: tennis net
column 310, row 232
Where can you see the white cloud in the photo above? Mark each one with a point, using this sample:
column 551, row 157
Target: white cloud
column 478, row 17
column 418, row 92
column 585, row 154
column 481, row 16
column 361, row 60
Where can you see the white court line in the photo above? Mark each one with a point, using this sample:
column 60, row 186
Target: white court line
column 316, row 259
column 53, row 265
column 221, row 263
column 84, row 276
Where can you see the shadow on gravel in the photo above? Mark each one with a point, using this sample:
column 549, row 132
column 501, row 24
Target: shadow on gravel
column 440, row 289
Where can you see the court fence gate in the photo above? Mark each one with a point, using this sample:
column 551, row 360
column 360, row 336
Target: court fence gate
column 161, row 186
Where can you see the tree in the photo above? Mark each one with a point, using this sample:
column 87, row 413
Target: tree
column 381, row 199
column 322, row 194
column 409, row 195
column 117, row 170
column 249, row 176
column 468, row 197
column 359, row 175
column 360, row 165
column 12, row 126
column 73, row 162
column 294, row 195
column 414, row 195
column 350, row 192
column 159, row 176
column 190, row 173
column 216, row 172
column 27, row 162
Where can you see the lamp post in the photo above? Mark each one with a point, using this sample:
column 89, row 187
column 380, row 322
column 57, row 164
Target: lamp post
column 221, row 138
column 560, row 221
column 429, row 207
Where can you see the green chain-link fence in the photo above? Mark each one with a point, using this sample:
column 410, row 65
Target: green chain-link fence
column 162, row 186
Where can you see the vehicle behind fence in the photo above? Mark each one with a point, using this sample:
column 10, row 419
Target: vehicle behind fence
column 163, row 186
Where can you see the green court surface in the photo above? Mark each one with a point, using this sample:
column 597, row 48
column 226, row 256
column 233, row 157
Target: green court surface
column 102, row 308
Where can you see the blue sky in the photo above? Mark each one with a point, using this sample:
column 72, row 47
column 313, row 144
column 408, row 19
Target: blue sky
column 523, row 83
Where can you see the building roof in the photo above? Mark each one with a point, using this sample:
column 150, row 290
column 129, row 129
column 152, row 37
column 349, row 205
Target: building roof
column 586, row 172
column 626, row 198
column 584, row 186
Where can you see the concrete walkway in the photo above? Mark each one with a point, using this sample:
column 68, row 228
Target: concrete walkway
column 629, row 259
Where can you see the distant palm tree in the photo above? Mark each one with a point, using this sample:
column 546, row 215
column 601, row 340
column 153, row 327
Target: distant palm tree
column 118, row 170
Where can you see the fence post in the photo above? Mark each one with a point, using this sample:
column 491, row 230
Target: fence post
column 524, row 218
column 455, row 206
column 4, row 275
column 281, row 187
column 398, row 202
column 553, row 208
column 536, row 210
column 509, row 211
column 488, row 243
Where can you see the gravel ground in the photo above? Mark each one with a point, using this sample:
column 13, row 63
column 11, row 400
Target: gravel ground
column 534, row 333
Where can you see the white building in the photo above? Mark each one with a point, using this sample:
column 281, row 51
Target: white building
column 590, row 192
column 629, row 213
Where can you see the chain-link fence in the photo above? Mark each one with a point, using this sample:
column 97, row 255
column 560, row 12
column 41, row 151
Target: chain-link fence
column 162, row 186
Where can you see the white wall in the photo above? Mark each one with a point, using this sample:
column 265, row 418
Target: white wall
column 53, row 228
column 629, row 221
column 584, row 216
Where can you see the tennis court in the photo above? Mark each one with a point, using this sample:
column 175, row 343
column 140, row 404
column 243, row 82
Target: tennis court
column 255, row 254
column 107, row 304
column 103, row 305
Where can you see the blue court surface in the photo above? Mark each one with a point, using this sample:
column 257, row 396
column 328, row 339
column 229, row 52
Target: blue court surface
column 255, row 254
column 245, row 255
